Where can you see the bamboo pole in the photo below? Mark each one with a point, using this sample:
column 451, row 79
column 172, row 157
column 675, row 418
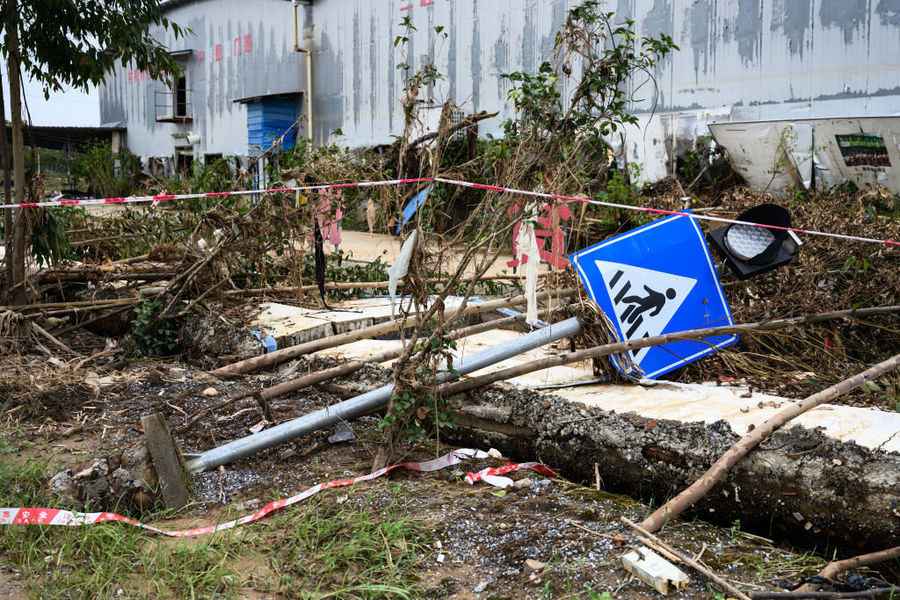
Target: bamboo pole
column 279, row 356
column 71, row 305
column 658, row 340
column 746, row 444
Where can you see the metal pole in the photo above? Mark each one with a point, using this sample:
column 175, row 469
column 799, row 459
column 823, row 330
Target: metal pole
column 372, row 400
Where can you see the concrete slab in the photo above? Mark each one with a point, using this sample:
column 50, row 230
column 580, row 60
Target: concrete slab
column 708, row 403
column 291, row 325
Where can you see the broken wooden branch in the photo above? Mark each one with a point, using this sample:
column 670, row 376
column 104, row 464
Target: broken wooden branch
column 646, row 536
column 71, row 306
column 360, row 285
column 720, row 468
column 53, row 339
column 467, row 122
column 836, row 567
column 279, row 356
column 93, row 320
column 100, row 274
column 658, row 340
column 798, row 595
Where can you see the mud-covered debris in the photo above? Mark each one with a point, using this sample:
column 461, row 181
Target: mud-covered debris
column 535, row 565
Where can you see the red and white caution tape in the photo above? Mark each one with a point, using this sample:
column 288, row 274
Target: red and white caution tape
column 660, row 211
column 494, row 475
column 158, row 198
column 59, row 201
column 53, row 516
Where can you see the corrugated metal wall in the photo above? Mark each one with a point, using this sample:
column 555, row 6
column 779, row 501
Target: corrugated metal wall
column 357, row 86
column 765, row 59
column 739, row 60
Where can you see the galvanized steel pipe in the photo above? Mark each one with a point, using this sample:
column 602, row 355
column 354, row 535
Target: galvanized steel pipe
column 372, row 400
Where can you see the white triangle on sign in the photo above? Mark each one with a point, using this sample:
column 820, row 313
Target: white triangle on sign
column 643, row 300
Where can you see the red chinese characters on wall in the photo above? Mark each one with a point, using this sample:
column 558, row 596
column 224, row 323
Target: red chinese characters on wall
column 410, row 6
column 135, row 75
column 242, row 44
column 548, row 230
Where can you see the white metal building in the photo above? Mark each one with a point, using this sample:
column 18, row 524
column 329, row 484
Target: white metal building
column 741, row 60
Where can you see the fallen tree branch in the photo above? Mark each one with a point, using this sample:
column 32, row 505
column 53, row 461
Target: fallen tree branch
column 50, row 337
column 79, row 304
column 465, row 123
column 93, row 320
column 362, row 285
column 658, row 340
column 798, row 595
column 836, row 567
column 650, row 540
column 720, row 468
column 279, row 356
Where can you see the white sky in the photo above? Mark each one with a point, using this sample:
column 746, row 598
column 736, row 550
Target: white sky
column 68, row 108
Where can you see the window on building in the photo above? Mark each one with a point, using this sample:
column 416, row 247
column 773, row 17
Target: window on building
column 156, row 166
column 184, row 163
column 173, row 99
column 181, row 96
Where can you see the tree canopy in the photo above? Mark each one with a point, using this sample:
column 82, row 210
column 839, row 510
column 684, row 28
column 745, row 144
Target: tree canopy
column 77, row 42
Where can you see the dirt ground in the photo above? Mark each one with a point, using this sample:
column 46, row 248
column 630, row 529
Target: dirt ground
column 442, row 538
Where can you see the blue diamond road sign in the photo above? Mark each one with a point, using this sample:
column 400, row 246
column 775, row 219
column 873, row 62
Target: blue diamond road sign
column 656, row 279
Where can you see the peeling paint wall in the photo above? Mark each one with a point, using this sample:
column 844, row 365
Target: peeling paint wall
column 484, row 39
column 740, row 60
column 750, row 60
column 239, row 49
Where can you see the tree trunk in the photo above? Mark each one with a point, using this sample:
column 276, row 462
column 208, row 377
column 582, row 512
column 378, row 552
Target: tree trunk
column 801, row 485
column 5, row 168
column 719, row 470
column 20, row 226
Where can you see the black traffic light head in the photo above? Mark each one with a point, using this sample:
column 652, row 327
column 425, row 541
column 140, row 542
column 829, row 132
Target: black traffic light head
column 750, row 250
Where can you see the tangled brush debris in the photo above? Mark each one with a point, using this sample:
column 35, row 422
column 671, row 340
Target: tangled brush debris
column 15, row 332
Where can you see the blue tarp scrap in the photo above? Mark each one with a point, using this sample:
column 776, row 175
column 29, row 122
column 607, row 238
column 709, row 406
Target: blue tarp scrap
column 269, row 343
column 409, row 211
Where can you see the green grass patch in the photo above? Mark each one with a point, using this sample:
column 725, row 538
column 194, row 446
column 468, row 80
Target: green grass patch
column 346, row 553
column 315, row 552
column 100, row 560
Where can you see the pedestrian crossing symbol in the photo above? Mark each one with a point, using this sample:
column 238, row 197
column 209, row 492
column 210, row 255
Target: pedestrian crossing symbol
column 653, row 280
